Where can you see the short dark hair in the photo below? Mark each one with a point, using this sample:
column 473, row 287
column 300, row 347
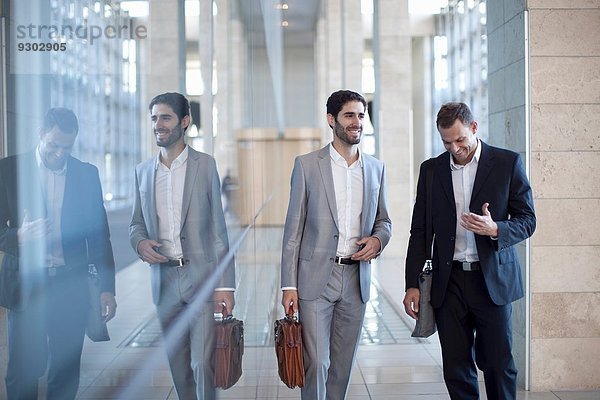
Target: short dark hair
column 452, row 111
column 177, row 101
column 336, row 101
column 63, row 118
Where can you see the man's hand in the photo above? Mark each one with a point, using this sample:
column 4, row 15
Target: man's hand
column 411, row 302
column 289, row 298
column 370, row 250
column 31, row 230
column 147, row 251
column 224, row 302
column 482, row 225
column 108, row 305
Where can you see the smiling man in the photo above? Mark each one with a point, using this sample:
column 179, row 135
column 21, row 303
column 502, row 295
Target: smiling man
column 337, row 222
column 52, row 219
column 178, row 227
column 482, row 207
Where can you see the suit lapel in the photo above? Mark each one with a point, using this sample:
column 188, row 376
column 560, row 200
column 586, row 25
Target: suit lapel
column 486, row 163
column 149, row 186
column 191, row 172
column 327, row 176
column 367, row 188
column 442, row 168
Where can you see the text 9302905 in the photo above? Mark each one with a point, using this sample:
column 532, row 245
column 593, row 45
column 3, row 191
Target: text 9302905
column 41, row 46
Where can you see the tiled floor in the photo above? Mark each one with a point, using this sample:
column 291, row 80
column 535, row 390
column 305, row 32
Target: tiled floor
column 390, row 364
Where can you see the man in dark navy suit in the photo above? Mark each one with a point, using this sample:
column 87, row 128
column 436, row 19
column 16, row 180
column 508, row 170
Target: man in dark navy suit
column 53, row 223
column 482, row 207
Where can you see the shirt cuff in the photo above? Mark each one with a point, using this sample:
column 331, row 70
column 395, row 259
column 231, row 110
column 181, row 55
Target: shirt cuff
column 225, row 289
column 289, row 288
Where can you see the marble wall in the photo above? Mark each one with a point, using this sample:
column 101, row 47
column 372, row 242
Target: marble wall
column 565, row 157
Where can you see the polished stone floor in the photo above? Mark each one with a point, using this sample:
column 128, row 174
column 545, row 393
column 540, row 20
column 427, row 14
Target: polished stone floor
column 390, row 364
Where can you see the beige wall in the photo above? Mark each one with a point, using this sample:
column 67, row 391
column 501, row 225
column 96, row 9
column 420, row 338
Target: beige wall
column 565, row 160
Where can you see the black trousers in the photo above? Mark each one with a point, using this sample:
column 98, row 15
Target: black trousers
column 48, row 335
column 475, row 331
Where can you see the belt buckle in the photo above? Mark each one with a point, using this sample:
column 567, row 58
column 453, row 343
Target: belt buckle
column 467, row 266
column 180, row 262
column 338, row 260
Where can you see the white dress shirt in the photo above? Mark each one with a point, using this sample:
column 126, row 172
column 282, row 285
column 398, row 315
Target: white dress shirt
column 53, row 187
column 348, row 185
column 168, row 191
column 463, row 178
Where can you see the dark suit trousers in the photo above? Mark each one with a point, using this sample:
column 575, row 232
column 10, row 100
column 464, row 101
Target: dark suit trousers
column 469, row 323
column 49, row 332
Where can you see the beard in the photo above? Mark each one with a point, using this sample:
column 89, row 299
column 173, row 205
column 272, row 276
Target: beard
column 174, row 135
column 341, row 133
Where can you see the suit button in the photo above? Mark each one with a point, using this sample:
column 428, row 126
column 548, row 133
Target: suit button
column 182, row 238
column 451, row 238
column 331, row 260
column 448, row 262
column 335, row 237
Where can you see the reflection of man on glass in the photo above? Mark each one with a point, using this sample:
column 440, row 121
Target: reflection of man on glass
column 68, row 230
column 337, row 221
column 178, row 227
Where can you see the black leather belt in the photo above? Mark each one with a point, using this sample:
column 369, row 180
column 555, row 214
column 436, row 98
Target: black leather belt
column 466, row 266
column 345, row 261
column 180, row 262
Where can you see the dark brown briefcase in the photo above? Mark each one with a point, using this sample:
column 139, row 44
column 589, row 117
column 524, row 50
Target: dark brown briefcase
column 228, row 352
column 288, row 348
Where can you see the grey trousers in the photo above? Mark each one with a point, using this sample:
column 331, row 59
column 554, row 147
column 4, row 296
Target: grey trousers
column 189, row 353
column 331, row 327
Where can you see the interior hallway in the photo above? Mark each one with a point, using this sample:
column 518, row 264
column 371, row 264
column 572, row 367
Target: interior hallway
column 390, row 364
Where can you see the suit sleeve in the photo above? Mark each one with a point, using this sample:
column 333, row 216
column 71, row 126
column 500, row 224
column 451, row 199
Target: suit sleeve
column 416, row 253
column 382, row 227
column 219, row 228
column 137, row 226
column 99, row 247
column 294, row 227
column 521, row 223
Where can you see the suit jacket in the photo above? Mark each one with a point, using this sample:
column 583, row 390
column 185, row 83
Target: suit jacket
column 311, row 230
column 84, row 226
column 203, row 232
column 500, row 181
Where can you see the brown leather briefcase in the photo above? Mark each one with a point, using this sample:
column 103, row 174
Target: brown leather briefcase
column 228, row 352
column 288, row 348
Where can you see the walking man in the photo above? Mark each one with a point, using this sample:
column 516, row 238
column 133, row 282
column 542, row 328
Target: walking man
column 178, row 227
column 336, row 223
column 482, row 207
column 53, row 223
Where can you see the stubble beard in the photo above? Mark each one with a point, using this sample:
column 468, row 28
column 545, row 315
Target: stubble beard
column 340, row 132
column 174, row 136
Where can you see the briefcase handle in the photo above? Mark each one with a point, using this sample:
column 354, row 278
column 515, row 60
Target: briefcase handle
column 225, row 317
column 289, row 315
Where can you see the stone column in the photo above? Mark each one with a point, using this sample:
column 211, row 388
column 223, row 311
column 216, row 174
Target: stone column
column 340, row 46
column 392, row 104
column 229, row 68
column 393, row 107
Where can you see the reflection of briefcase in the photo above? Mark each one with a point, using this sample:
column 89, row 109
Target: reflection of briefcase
column 288, row 348
column 228, row 352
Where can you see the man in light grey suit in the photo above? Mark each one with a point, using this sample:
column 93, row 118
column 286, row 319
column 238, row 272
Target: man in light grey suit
column 337, row 221
column 178, row 228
